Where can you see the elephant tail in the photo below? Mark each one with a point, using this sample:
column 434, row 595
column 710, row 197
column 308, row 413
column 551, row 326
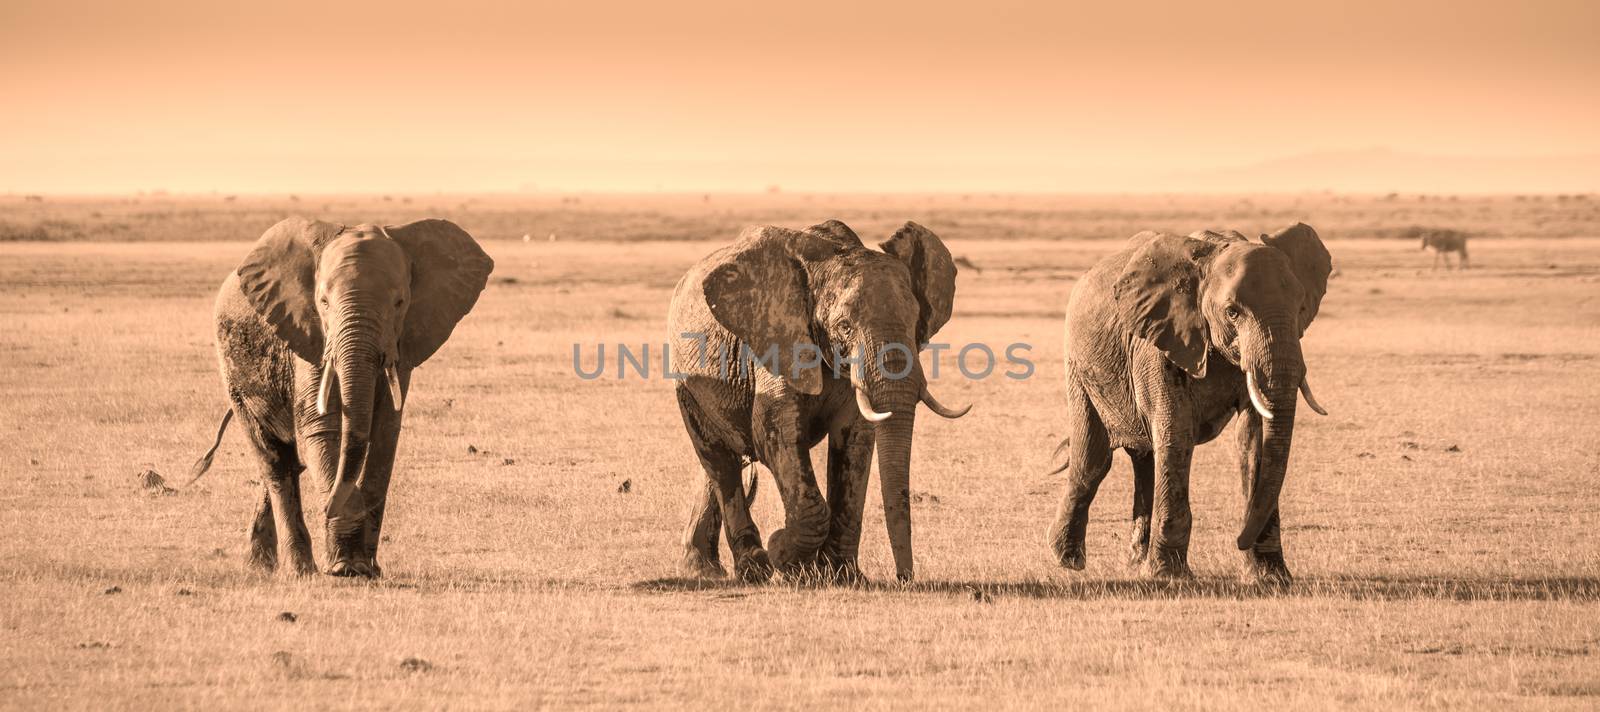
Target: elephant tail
column 1061, row 455
column 202, row 465
column 750, row 483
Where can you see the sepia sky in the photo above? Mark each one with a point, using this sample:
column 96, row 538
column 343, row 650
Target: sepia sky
column 462, row 96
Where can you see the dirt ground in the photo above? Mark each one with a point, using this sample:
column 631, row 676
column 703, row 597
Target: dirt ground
column 1441, row 521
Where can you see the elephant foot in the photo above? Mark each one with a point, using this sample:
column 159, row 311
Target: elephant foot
column 354, row 569
column 695, row 564
column 1069, row 553
column 1167, row 565
column 1267, row 568
column 302, row 567
column 788, row 558
column 839, row 571
column 752, row 566
column 263, row 561
column 1139, row 546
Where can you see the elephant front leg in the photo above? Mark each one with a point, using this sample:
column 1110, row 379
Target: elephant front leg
column 1263, row 562
column 1144, row 483
column 806, row 517
column 374, row 485
column 849, row 469
column 1171, row 518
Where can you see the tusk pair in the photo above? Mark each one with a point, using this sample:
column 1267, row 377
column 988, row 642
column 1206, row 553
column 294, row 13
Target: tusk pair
column 1260, row 401
column 864, row 404
column 325, row 392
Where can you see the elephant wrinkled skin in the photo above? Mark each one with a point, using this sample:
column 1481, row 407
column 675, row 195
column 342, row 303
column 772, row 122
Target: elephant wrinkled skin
column 1166, row 341
column 318, row 331
column 820, row 289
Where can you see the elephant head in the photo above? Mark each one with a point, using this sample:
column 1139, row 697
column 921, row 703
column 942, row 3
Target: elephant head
column 821, row 291
column 364, row 303
column 1249, row 302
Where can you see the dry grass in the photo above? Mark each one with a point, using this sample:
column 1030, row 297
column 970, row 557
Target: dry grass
column 1441, row 521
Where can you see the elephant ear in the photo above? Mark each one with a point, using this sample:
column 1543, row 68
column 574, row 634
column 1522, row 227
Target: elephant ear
column 1158, row 296
column 448, row 272
column 279, row 278
column 757, row 290
column 933, row 275
column 1311, row 262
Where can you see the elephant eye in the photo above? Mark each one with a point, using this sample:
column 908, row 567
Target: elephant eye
column 399, row 300
column 1232, row 311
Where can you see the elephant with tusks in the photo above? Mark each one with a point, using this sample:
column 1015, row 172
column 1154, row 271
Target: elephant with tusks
column 845, row 324
column 1167, row 341
column 317, row 333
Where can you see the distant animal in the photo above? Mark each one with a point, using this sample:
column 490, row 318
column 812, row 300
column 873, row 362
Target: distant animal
column 317, row 332
column 1443, row 241
column 820, row 292
column 1166, row 342
column 966, row 264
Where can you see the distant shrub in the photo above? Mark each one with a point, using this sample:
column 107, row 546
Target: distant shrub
column 41, row 231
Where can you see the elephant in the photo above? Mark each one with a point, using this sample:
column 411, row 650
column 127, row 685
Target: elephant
column 1166, row 341
column 1444, row 242
column 317, row 333
column 844, row 324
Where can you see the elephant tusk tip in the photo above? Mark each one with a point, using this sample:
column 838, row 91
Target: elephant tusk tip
column 876, row 417
column 1318, row 409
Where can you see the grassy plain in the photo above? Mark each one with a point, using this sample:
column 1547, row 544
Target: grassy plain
column 1442, row 522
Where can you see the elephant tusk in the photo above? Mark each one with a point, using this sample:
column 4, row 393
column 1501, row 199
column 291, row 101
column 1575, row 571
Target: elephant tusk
column 325, row 391
column 1311, row 400
column 940, row 408
column 1256, row 399
column 396, row 398
column 865, row 406
column 384, row 232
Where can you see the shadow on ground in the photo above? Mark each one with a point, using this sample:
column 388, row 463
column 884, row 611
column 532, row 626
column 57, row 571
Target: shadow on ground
column 1352, row 588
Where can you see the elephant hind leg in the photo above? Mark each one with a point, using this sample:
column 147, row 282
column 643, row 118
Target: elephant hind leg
column 722, row 498
column 1088, row 462
column 1144, row 483
column 264, row 534
column 701, row 537
column 278, row 518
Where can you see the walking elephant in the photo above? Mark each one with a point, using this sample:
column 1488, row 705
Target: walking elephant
column 318, row 331
column 1166, row 341
column 841, row 326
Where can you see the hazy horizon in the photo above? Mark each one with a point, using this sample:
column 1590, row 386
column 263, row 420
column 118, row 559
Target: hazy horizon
column 724, row 97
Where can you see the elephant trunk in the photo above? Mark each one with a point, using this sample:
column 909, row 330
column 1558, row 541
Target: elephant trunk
column 1274, row 371
column 893, row 439
column 897, row 397
column 355, row 355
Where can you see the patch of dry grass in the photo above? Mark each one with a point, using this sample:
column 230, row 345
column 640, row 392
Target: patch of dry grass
column 1441, row 521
